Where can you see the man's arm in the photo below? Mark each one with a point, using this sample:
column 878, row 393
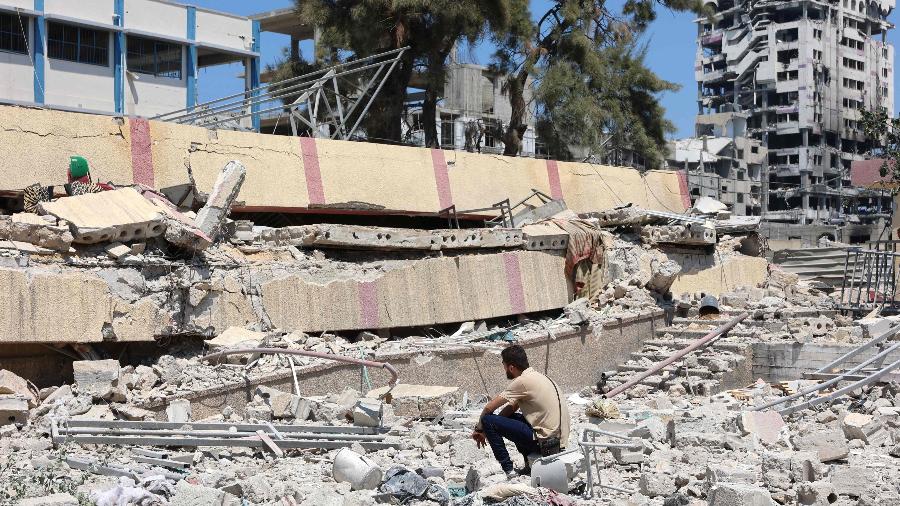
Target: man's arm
column 492, row 406
column 489, row 408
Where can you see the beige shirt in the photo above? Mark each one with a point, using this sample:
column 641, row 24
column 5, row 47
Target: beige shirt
column 536, row 396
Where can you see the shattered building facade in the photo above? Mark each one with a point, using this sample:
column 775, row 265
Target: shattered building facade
column 790, row 79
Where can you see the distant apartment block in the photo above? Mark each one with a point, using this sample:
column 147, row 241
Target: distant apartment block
column 783, row 83
column 134, row 57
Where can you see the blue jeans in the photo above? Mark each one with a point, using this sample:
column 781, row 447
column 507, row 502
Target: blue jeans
column 514, row 428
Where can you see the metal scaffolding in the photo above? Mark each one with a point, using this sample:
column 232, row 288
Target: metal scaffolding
column 329, row 103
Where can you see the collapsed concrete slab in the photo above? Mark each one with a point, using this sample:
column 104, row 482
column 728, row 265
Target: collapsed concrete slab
column 693, row 234
column 327, row 235
column 446, row 290
column 545, row 236
column 118, row 215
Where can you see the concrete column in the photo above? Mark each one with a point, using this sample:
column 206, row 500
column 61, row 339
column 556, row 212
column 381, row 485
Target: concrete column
column 191, row 60
column 255, row 72
column 804, row 191
column 119, row 57
column 37, row 43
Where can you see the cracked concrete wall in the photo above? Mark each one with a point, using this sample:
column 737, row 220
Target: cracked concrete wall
column 292, row 174
column 45, row 307
column 426, row 292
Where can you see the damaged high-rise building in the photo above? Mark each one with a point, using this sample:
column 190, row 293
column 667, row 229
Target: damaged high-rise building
column 785, row 83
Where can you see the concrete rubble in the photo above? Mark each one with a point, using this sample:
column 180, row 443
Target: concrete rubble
column 125, row 292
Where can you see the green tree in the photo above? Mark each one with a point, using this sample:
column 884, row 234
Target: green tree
column 429, row 28
column 583, row 45
column 883, row 134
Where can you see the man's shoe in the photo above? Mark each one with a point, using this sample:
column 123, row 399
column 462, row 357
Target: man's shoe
column 511, row 474
column 525, row 471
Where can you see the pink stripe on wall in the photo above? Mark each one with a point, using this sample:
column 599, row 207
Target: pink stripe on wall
column 514, row 283
column 553, row 176
column 441, row 178
column 141, row 152
column 368, row 304
column 683, row 186
column 314, row 188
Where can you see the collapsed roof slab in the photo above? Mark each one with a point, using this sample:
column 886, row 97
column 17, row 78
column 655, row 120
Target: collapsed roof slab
column 290, row 174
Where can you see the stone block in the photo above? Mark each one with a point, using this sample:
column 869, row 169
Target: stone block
column 806, row 466
column 864, row 427
column 739, row 494
column 118, row 215
column 98, row 378
column 13, row 409
column 662, row 275
column 830, row 445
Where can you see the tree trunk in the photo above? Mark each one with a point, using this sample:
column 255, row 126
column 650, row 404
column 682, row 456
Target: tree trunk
column 383, row 121
column 429, row 118
column 515, row 130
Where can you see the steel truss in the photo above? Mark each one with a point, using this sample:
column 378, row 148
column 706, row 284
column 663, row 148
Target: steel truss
column 330, row 102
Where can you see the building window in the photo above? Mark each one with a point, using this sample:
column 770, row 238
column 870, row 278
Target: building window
column 11, row 36
column 78, row 44
column 154, row 57
column 448, row 139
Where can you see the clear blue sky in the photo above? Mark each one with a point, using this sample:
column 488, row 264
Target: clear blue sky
column 671, row 39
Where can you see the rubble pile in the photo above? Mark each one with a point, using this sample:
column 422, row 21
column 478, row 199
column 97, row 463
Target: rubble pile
column 178, row 427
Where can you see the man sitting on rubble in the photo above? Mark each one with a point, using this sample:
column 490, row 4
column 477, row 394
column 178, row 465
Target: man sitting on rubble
column 542, row 427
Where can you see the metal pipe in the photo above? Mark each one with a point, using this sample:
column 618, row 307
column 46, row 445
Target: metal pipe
column 71, row 431
column 837, row 393
column 859, row 349
column 832, row 381
column 327, row 356
column 703, row 341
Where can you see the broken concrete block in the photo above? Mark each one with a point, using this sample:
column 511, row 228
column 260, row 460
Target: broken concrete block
column 118, row 215
column 545, row 236
column 13, row 409
column 730, row 472
column 261, row 412
column 117, row 250
column 851, row 480
column 417, row 401
column 816, row 493
column 98, row 378
column 830, row 445
column 179, row 411
column 134, row 413
column 187, row 494
column 739, row 494
column 283, row 404
column 776, row 470
column 662, row 275
column 224, row 192
column 655, row 484
column 766, row 425
column 11, row 383
column 805, row 467
column 864, row 427
column 41, row 231
column 235, row 337
column 368, row 413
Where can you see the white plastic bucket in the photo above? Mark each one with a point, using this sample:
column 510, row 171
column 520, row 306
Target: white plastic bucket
column 357, row 470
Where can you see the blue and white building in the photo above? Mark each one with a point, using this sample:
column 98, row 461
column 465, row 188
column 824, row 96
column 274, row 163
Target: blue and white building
column 130, row 57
